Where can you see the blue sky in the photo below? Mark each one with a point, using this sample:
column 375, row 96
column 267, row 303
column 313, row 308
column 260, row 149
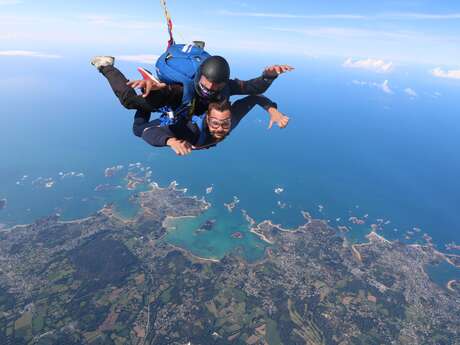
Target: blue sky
column 404, row 31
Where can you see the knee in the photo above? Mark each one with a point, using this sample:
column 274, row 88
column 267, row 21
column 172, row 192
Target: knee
column 137, row 131
column 131, row 100
column 127, row 100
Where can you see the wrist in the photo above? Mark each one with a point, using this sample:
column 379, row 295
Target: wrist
column 170, row 141
column 272, row 110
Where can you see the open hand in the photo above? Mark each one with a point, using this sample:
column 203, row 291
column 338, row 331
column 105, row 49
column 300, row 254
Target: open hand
column 146, row 85
column 276, row 70
column 277, row 117
column 181, row 147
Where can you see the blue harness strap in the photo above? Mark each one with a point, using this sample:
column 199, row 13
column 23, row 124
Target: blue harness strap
column 170, row 117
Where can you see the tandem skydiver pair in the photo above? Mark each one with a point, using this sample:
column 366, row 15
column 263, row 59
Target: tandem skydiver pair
column 188, row 128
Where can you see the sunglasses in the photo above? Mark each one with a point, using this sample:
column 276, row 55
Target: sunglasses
column 215, row 123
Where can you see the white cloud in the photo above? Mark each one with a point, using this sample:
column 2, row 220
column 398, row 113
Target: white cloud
column 141, row 58
column 121, row 23
column 89, row 34
column 451, row 74
column 410, row 92
column 361, row 83
column 385, row 86
column 347, row 16
column 421, row 16
column 7, row 36
column 115, row 33
column 376, row 65
column 291, row 16
column 28, row 53
column 349, row 33
column 10, row 2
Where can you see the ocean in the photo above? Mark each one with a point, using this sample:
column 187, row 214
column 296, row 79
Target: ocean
column 351, row 153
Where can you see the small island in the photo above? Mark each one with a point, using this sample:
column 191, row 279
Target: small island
column 453, row 286
column 231, row 205
column 106, row 187
column 206, row 226
column 110, row 172
column 237, row 235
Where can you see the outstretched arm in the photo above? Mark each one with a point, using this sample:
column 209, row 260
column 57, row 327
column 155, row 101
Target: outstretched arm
column 241, row 107
column 177, row 137
column 258, row 85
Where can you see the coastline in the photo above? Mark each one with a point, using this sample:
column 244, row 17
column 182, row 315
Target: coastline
column 253, row 227
column 450, row 285
column 372, row 237
column 194, row 256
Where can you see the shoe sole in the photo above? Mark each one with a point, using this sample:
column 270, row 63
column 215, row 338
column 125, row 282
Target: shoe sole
column 93, row 62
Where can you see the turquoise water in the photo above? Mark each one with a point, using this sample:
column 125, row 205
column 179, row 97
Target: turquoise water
column 349, row 151
column 443, row 273
column 218, row 241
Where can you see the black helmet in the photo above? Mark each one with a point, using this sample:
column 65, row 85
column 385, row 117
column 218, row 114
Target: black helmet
column 215, row 69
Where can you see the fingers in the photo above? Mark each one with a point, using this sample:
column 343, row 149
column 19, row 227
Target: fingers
column 187, row 148
column 283, row 69
column 147, row 85
column 283, row 122
column 286, row 68
column 148, row 88
column 136, row 84
column 183, row 151
column 280, row 119
column 152, row 85
column 179, row 151
column 182, row 148
column 279, row 69
column 270, row 124
column 272, row 70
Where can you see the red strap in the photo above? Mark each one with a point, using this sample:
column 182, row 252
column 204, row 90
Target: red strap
column 168, row 22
